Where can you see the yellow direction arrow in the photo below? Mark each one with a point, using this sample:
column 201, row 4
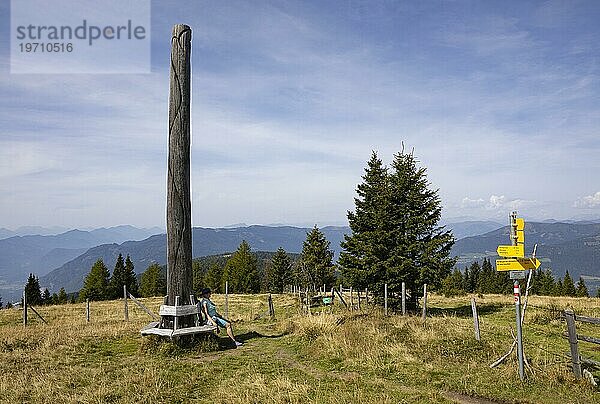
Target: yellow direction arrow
column 517, row 264
column 511, row 250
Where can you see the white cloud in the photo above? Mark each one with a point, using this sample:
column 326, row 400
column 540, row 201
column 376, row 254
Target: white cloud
column 495, row 202
column 588, row 202
column 471, row 203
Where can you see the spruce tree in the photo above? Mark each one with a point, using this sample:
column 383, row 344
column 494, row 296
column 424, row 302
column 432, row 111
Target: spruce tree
column 280, row 271
column 582, row 290
column 117, row 280
column 32, row 291
column 152, row 282
column 486, row 278
column 317, row 260
column 130, row 278
column 474, row 277
column 395, row 234
column 558, row 288
column 241, row 271
column 568, row 286
column 46, row 297
column 95, row 285
column 421, row 251
column 453, row 284
column 214, row 277
column 367, row 249
column 62, row 296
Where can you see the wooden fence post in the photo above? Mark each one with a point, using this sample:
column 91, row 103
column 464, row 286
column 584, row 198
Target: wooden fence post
column 367, row 297
column 403, row 298
column 424, row 302
column 385, row 295
column 570, row 316
column 271, row 307
column 24, row 309
column 475, row 319
column 358, row 292
column 226, row 299
column 351, row 300
column 125, row 299
column 87, row 310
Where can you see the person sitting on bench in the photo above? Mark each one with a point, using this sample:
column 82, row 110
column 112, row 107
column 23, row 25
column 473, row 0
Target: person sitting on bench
column 212, row 317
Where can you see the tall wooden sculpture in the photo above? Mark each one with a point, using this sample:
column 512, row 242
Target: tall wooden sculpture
column 179, row 222
column 179, row 316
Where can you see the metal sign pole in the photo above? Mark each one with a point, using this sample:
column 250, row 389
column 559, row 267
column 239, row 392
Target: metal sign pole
column 517, row 292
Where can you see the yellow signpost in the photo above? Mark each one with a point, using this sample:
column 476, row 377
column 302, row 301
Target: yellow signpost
column 517, row 264
column 511, row 250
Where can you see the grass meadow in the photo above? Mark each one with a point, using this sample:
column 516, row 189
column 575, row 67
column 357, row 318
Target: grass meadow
column 332, row 356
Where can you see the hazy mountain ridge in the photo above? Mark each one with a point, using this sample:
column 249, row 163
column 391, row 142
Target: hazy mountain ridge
column 471, row 228
column 573, row 246
column 20, row 255
column 205, row 241
column 561, row 246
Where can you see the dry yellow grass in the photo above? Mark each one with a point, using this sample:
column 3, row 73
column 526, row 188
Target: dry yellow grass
column 337, row 357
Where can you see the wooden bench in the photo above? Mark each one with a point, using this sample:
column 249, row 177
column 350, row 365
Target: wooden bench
column 170, row 316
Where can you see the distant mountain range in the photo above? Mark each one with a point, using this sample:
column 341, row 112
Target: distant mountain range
column 561, row 246
column 472, row 228
column 205, row 241
column 63, row 260
column 39, row 254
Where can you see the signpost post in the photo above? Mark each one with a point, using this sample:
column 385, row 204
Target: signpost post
column 516, row 262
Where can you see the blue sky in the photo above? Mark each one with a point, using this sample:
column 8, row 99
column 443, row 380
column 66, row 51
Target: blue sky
column 500, row 101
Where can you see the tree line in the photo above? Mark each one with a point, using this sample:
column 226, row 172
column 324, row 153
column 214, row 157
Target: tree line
column 395, row 238
column 245, row 271
column 37, row 297
column 484, row 279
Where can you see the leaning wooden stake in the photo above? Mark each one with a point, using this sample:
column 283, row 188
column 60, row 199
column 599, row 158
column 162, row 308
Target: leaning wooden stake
column 570, row 316
column 475, row 319
column 143, row 307
column 179, row 222
column 38, row 314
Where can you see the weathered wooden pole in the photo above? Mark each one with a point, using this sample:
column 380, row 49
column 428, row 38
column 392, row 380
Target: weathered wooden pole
column 403, row 298
column 385, row 295
column 227, row 299
column 424, row 315
column 179, row 211
column 24, row 309
column 475, row 319
column 570, row 317
column 126, row 306
column 87, row 310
